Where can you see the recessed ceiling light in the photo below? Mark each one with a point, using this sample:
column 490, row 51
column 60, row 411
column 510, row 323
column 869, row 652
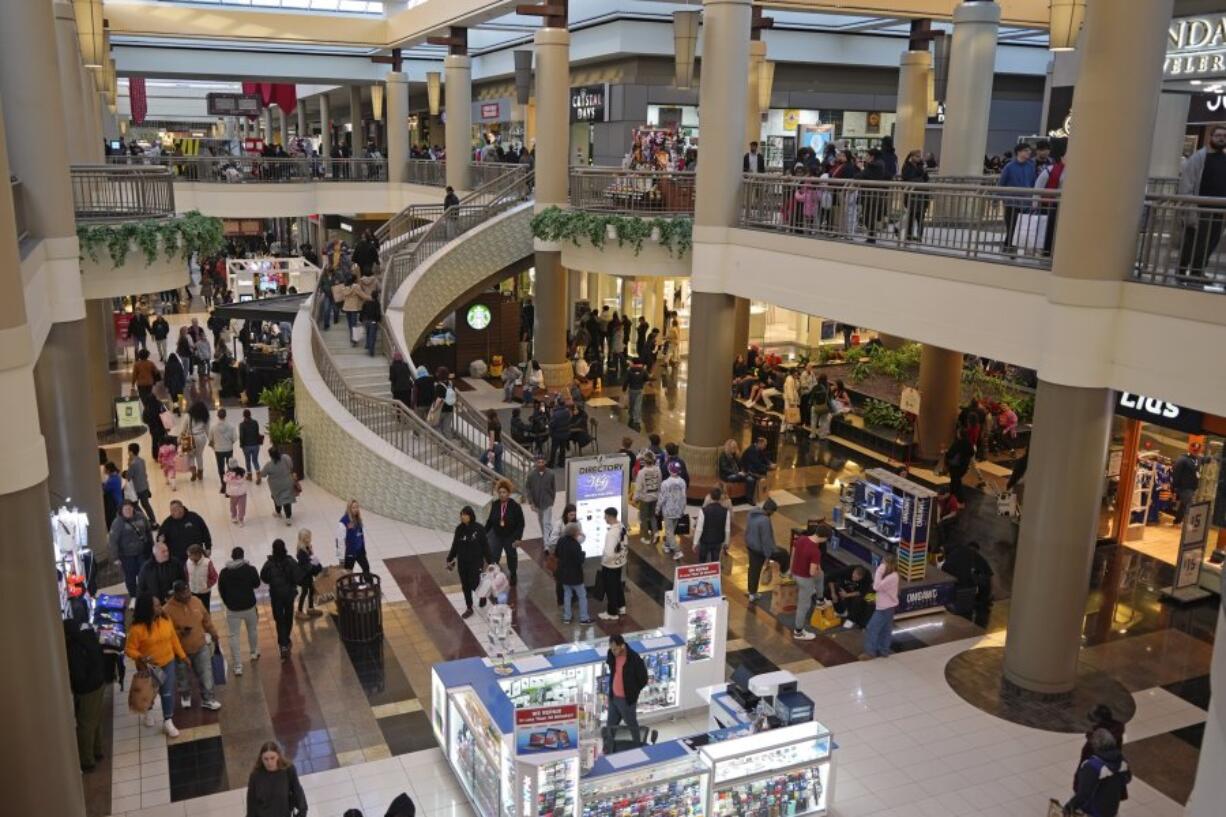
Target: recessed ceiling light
column 1196, row 82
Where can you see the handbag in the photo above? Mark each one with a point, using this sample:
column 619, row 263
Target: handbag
column 683, row 525
column 436, row 409
column 358, row 333
column 141, row 693
column 219, row 667
column 791, row 415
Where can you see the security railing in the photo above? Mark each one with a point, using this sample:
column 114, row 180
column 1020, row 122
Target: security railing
column 19, row 208
column 1177, row 244
column 1162, row 185
column 108, row 193
column 632, row 192
column 427, row 172
column 262, row 170
column 483, row 173
column 403, row 429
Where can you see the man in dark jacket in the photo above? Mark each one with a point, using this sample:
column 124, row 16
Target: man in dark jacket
column 753, row 161
column 158, row 575
column 1102, row 779
column 87, row 677
column 503, row 528
column 401, row 378
column 627, row 677
column 130, row 541
column 570, row 571
column 283, row 577
column 756, row 464
column 184, row 528
column 237, row 584
column 160, row 330
column 1185, row 479
column 559, row 434
column 424, row 385
column 366, row 253
column 636, row 381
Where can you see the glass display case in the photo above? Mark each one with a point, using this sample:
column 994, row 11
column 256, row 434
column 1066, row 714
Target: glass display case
column 478, row 753
column 676, row 789
column 779, row 773
column 699, row 641
column 549, row 787
column 662, row 691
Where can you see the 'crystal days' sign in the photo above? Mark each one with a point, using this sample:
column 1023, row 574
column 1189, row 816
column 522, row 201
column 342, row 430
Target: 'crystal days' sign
column 588, row 103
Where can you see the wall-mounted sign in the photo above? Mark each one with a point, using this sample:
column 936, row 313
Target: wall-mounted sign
column 233, row 104
column 1196, row 47
column 478, row 316
column 1207, row 108
column 588, row 103
column 489, row 111
column 1160, row 412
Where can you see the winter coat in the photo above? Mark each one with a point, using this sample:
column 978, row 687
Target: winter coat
column 180, row 534
column 157, row 578
column 672, row 497
column 759, row 534
column 634, row 674
column 570, row 561
column 1102, row 781
column 222, row 437
column 282, row 575
column 275, row 794
column 541, row 488
column 513, row 529
column 237, row 584
column 86, row 669
column 280, row 476
column 469, row 549
column 647, row 483
column 130, row 537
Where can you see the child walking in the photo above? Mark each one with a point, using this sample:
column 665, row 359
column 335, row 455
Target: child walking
column 167, row 454
column 236, row 490
column 311, row 567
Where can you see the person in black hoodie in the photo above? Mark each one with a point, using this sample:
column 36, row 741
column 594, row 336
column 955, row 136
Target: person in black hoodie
column 283, row 576
column 627, row 677
column 468, row 554
column 184, row 528
column 504, row 527
column 158, row 575
column 174, row 375
column 87, row 677
column 1102, row 779
column 873, row 199
column 914, row 172
column 401, row 377
column 237, row 584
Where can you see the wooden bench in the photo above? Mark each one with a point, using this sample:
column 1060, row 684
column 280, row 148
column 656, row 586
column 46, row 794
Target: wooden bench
column 699, row 487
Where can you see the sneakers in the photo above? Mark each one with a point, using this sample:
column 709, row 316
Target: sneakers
column 677, row 556
column 753, row 598
column 803, row 635
column 168, row 726
column 585, row 621
column 149, row 719
column 621, row 611
column 255, row 656
column 566, row 621
column 849, row 624
column 212, row 704
column 288, row 522
column 185, row 701
column 607, row 616
column 238, row 670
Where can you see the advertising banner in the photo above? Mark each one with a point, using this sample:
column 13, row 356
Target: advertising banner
column 1192, row 544
column 697, row 582
column 541, row 729
column 594, row 484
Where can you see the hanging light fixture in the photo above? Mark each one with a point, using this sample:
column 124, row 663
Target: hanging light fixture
column 523, row 76
column 685, row 44
column 376, row 101
column 88, row 14
column 434, row 90
column 1066, row 19
column 766, row 80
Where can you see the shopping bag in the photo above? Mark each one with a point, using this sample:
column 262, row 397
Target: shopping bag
column 791, row 415
column 325, row 583
column 1030, row 231
column 141, row 693
column 219, row 668
column 785, row 598
column 436, row 410
column 183, row 463
column 683, row 525
column 768, row 574
column 358, row 333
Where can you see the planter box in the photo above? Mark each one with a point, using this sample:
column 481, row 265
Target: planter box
column 883, row 441
column 102, row 279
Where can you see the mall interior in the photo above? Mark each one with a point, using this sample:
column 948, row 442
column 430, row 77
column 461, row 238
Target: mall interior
column 793, row 287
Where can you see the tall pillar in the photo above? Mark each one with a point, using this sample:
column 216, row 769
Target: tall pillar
column 968, row 95
column 458, row 90
column 593, row 291
column 574, row 292
column 725, row 32
column 940, row 379
column 912, row 107
column 266, row 125
column 82, row 147
column 358, row 140
column 97, row 328
column 300, row 109
column 325, row 126
column 740, row 325
column 1094, row 250
column 397, row 101
column 753, row 113
column 89, row 102
column 40, row 739
column 1209, row 791
column 1169, row 128
column 38, row 155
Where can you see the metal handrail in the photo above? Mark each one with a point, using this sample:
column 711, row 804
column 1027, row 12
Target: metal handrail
column 428, row 172
column 403, row 429
column 19, row 208
column 632, row 192
column 472, row 428
column 102, row 193
column 262, row 170
column 391, row 233
column 1177, row 243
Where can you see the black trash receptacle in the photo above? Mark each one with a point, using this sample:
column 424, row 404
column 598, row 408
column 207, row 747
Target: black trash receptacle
column 767, row 425
column 359, row 607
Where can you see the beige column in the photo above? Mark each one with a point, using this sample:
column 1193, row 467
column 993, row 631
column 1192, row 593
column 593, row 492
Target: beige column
column 753, row 113
column 266, row 125
column 358, row 139
column 397, row 102
column 940, row 378
column 1095, row 245
column 552, row 171
column 282, row 126
column 725, row 41
column 102, row 390
column 300, row 110
column 574, row 292
column 968, row 96
column 912, row 106
column 740, row 325
column 89, row 99
column 1209, row 791
column 83, row 148
column 593, row 290
column 1169, row 127
column 458, row 91
column 325, row 126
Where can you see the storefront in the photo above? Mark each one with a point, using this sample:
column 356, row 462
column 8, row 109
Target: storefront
column 498, row 121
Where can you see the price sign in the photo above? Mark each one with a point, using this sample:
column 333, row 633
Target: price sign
column 1192, row 544
column 697, row 582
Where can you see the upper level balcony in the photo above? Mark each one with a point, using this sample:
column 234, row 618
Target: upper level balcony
column 109, row 193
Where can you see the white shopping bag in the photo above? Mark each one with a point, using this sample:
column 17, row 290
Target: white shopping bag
column 1030, row 231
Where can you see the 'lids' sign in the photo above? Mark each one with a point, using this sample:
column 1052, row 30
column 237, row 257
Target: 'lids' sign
column 1153, row 410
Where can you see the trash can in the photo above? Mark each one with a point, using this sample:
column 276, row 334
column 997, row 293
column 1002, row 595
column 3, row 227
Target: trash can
column 359, row 607
column 767, row 425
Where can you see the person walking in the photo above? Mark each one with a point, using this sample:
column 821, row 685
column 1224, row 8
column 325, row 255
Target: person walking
column 250, row 439
column 1019, row 172
column 222, row 437
column 174, row 375
column 236, row 492
column 451, row 211
column 468, row 555
column 371, row 314
column 201, row 574
column 237, row 584
column 131, row 541
column 569, row 514
column 273, row 788
column 570, row 556
column 283, row 577
column 503, row 528
column 158, row 575
column 1204, row 175
column 197, row 429
column 184, row 528
column 958, row 459
column 646, row 493
column 138, row 475
column 559, row 433
column 160, row 330
column 195, row 629
column 1102, row 779
column 400, row 377
column 636, row 380
column 672, row 507
column 810, row 583
column 878, row 632
column 760, row 545
column 351, row 533
column 154, row 645
column 627, row 677
column 309, row 563
column 87, row 679
column 753, row 161
column 713, row 528
column 612, row 561
column 282, row 483
column 915, row 173
column 540, row 491
column 145, row 374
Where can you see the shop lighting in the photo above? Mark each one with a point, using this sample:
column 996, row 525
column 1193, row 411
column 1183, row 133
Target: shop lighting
column 685, row 44
column 1067, row 17
column 376, row 101
column 88, row 14
column 434, row 87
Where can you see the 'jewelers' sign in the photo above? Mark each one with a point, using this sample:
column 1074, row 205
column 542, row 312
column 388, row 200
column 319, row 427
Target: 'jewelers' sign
column 1196, row 47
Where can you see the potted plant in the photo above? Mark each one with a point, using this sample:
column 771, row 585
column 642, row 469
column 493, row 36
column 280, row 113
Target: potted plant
column 279, row 398
column 286, row 435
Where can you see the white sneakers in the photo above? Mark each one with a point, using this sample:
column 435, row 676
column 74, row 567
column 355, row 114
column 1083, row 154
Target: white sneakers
column 211, row 704
column 849, row 624
column 803, row 635
column 288, row 522
column 168, row 726
column 255, row 656
column 607, row 616
column 238, row 669
column 150, row 721
column 185, row 701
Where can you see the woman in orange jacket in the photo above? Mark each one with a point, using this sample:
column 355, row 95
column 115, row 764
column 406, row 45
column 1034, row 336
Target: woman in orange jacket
column 154, row 645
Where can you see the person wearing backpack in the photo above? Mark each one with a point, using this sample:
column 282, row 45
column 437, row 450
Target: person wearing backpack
column 612, row 562
column 646, row 492
column 1102, row 779
column 283, row 577
column 442, row 410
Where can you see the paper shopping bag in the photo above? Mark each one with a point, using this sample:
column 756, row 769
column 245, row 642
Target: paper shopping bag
column 219, row 668
column 141, row 693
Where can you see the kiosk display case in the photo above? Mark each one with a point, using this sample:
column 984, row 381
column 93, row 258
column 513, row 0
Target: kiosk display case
column 779, row 772
column 549, row 786
column 479, row 753
column 671, row 788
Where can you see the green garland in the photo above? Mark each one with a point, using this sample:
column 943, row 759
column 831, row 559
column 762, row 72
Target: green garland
column 177, row 237
column 556, row 224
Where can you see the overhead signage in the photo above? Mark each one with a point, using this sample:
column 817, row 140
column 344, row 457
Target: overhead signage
column 588, row 103
column 233, row 104
column 697, row 582
column 1207, row 108
column 1192, row 544
column 540, row 729
column 489, row 110
column 594, row 484
column 1196, row 47
column 1153, row 410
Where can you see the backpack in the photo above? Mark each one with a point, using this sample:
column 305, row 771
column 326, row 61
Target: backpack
column 449, row 395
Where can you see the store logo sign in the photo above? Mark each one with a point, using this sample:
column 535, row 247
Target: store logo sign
column 1153, row 410
column 1196, row 46
column 587, row 103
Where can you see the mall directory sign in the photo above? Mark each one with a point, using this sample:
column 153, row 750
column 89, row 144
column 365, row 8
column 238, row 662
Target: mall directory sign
column 592, row 485
column 540, row 729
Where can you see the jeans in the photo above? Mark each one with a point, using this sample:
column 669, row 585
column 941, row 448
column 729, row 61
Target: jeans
column 805, row 590
column 647, row 519
column 235, row 619
column 222, row 457
column 545, row 517
column 325, row 312
column 1011, row 214
column 166, row 691
column 621, row 710
column 498, row 546
column 495, row 461
column 756, row 562
column 878, row 632
column 131, row 569
column 636, row 407
column 201, row 663
column 160, row 343
column 238, row 507
column 579, row 591
column 351, row 318
column 372, row 337
column 557, row 451
column 283, row 617
column 307, row 594
column 708, row 552
column 508, row 391
column 670, row 533
column 251, row 454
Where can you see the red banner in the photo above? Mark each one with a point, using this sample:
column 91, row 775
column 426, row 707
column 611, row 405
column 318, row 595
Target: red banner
column 137, row 99
column 284, row 94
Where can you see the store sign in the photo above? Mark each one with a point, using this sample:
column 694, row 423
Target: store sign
column 541, row 729
column 697, row 582
column 233, row 104
column 1192, row 544
column 1196, row 47
column 128, row 413
column 1206, row 108
column 1153, row 410
column 594, row 484
column 924, row 597
column 588, row 103
column 478, row 316
column 489, row 111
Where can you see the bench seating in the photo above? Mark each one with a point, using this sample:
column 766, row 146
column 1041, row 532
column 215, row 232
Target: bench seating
column 699, row 487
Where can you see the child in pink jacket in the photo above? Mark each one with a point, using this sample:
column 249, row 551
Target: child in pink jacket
column 167, row 454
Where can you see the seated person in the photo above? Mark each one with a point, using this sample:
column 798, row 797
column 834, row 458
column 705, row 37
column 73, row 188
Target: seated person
column 579, row 432
column 756, row 464
column 849, row 589
column 728, row 464
column 521, row 432
column 763, row 387
column 742, row 378
column 511, row 376
column 540, row 427
column 534, row 380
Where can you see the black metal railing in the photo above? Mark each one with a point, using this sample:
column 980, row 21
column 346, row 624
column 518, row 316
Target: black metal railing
column 262, row 170
column 103, row 193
